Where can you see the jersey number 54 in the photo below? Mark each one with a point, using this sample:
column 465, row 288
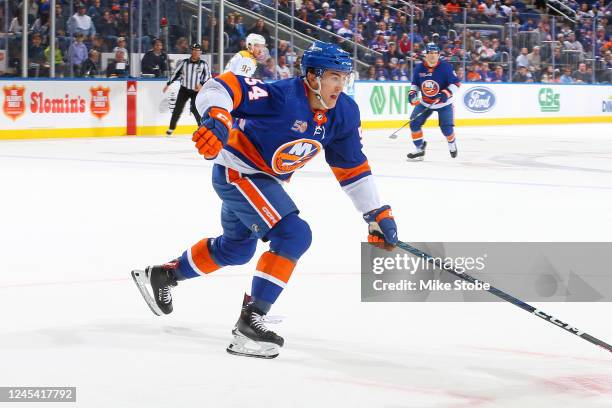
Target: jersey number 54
column 255, row 92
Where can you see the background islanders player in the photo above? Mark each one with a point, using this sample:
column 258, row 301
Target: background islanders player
column 280, row 127
column 436, row 81
column 245, row 62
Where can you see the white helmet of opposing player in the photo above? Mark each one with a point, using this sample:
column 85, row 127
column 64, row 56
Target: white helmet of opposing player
column 256, row 44
column 253, row 39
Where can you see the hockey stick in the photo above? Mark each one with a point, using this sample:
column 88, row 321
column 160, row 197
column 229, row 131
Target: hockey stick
column 394, row 134
column 508, row 298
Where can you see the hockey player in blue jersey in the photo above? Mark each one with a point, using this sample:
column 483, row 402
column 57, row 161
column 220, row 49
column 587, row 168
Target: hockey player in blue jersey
column 259, row 134
column 436, row 81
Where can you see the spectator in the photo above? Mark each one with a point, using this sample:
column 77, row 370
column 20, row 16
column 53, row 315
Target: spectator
column 371, row 76
column 522, row 75
column 282, row 69
column 206, row 45
column 77, row 53
column 581, row 76
column 391, row 53
column 485, row 73
column 345, row 31
column 499, row 75
column 404, row 44
column 16, row 26
column 460, row 73
column 534, row 60
column 566, row 77
column 99, row 45
column 89, row 69
column 123, row 24
column 393, row 69
column 522, row 58
column 327, row 23
column 121, row 44
column 381, row 73
column 41, row 26
column 572, row 45
column 59, row 59
column 473, row 74
column 181, row 46
column 155, row 61
column 269, row 69
column 379, row 43
column 108, row 27
column 81, row 23
column 239, row 26
column 36, row 52
column 485, row 51
column 95, row 12
column 260, row 28
column 118, row 67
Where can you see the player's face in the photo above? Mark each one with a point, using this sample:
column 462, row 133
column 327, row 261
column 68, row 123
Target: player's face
column 258, row 50
column 432, row 57
column 332, row 84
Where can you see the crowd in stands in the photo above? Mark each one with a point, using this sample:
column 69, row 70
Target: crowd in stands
column 486, row 40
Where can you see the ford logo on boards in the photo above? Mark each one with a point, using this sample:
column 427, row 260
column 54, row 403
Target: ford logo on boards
column 479, row 99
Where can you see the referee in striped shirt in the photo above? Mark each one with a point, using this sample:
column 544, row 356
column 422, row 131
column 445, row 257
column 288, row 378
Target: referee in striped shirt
column 193, row 72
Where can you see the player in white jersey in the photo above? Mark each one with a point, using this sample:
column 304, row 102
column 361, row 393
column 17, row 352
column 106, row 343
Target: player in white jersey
column 244, row 63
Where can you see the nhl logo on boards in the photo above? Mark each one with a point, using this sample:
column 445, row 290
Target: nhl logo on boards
column 293, row 155
column 430, row 88
column 14, row 101
column 100, row 102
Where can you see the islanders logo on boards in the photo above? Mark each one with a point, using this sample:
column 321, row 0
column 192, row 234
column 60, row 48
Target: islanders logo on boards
column 14, row 101
column 293, row 155
column 430, row 88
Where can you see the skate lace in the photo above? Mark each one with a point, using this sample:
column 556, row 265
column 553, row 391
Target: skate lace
column 258, row 321
column 166, row 296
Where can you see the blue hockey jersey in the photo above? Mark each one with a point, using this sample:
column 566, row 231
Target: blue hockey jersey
column 432, row 80
column 276, row 132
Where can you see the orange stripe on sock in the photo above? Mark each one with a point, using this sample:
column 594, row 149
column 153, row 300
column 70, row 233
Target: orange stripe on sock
column 417, row 135
column 450, row 138
column 200, row 255
column 275, row 265
column 385, row 214
column 229, row 79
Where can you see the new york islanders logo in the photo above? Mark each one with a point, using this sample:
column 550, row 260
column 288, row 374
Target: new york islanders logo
column 430, row 88
column 293, row 155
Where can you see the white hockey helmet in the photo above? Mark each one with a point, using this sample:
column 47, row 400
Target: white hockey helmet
column 253, row 39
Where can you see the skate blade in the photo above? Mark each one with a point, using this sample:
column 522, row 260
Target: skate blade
column 414, row 159
column 243, row 346
column 141, row 281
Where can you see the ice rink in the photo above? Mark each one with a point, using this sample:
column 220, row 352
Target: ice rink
column 79, row 214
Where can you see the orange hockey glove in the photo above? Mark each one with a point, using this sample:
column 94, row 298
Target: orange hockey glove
column 213, row 133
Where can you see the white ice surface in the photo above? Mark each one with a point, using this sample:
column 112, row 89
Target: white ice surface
column 77, row 215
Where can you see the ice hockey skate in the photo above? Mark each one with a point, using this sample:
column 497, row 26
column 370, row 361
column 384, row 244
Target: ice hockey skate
column 418, row 155
column 251, row 337
column 159, row 279
column 452, row 148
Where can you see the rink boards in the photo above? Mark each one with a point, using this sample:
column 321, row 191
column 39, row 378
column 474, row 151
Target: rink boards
column 99, row 107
